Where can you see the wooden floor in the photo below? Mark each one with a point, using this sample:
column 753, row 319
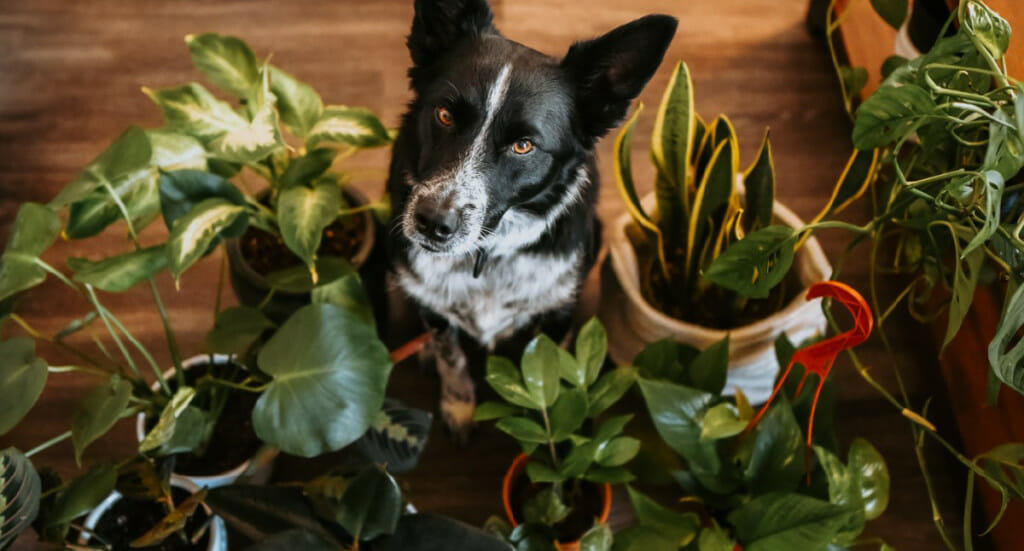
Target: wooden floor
column 70, row 74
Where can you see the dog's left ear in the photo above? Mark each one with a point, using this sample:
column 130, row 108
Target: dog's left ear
column 611, row 70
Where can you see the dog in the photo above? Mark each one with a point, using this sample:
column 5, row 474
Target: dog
column 493, row 179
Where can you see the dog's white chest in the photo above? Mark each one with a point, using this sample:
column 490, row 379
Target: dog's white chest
column 507, row 295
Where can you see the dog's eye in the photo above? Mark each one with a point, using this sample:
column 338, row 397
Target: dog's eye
column 522, row 147
column 444, row 116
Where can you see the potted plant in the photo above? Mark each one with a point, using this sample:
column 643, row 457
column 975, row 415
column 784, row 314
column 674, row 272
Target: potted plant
column 562, row 479
column 658, row 282
column 746, row 485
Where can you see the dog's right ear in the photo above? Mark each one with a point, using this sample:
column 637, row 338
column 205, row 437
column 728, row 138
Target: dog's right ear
column 440, row 23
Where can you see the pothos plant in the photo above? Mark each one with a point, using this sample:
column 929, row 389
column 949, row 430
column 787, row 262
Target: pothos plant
column 701, row 212
column 744, row 485
column 550, row 406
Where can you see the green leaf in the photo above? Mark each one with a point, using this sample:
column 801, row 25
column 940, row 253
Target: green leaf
column 19, row 495
column 854, row 79
column 138, row 192
column 889, row 114
column 489, row 411
column 258, row 512
column 568, row 413
column 122, row 272
column 892, row 11
column 722, row 421
column 346, row 292
column 236, row 329
column 892, row 63
column 540, row 473
column 226, row 61
column 164, row 429
column 617, row 452
column 298, row 279
column 777, row 458
column 298, row 103
column 611, row 428
column 965, row 281
column 755, row 264
column 523, row 429
column 191, row 429
column 507, row 381
column 1006, row 351
column 714, row 538
column 128, row 154
column 182, row 190
column 640, row 538
column 664, row 359
column 672, row 140
column 570, row 369
column 304, row 170
column 598, row 538
column 986, row 28
column 780, row 521
column 545, row 508
column 296, row 538
column 193, row 233
column 192, row 110
column 870, row 476
column 580, row 459
column 591, row 349
column 679, row 528
column 713, row 195
column 302, row 215
column 83, row 494
column 34, row 230
column 540, row 370
column 176, row 151
column 102, row 406
column 259, row 137
column 677, row 412
column 329, row 371
column 841, row 492
column 397, row 437
column 759, row 181
column 370, row 505
column 709, row 368
column 355, row 126
column 609, row 388
column 22, row 378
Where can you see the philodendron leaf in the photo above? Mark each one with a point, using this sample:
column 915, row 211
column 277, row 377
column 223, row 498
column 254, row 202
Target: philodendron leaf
column 1006, row 351
column 754, row 265
column 122, row 272
column 298, row 103
column 302, row 215
column 709, row 368
column 370, row 505
column 679, row 528
column 987, row 28
column 870, row 477
column 540, row 370
column 841, row 491
column 176, row 151
column 354, row 126
column 329, row 371
column 34, row 230
column 19, row 495
column 889, row 114
column 306, row 169
column 129, row 153
column 259, row 137
column 397, row 437
column 298, row 279
column 193, row 233
column 591, row 349
column 22, row 378
column 82, row 495
column 677, row 411
column 192, row 110
column 722, row 421
column 892, row 11
column 236, row 329
column 598, row 538
column 182, row 190
column 788, row 521
column 97, row 413
column 226, row 61
column 137, row 191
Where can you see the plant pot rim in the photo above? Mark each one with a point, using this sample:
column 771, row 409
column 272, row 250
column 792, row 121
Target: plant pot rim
column 205, row 481
column 218, row 532
column 234, row 249
column 622, row 256
column 518, row 469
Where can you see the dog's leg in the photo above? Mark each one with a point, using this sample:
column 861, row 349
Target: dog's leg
column 458, row 394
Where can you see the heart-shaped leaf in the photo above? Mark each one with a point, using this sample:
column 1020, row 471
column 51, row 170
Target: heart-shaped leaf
column 754, row 265
column 257, row 138
column 302, row 215
column 192, row 109
column 679, row 528
column 892, row 11
column 22, row 378
column 196, row 231
column 226, row 61
column 129, row 153
column 298, row 103
column 788, row 521
column 34, row 230
column 97, row 413
column 353, row 126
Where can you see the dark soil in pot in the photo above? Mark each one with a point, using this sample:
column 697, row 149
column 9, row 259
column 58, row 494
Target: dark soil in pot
column 128, row 519
column 266, row 253
column 233, row 441
column 585, row 499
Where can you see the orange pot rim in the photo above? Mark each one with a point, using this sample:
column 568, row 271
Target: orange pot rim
column 518, row 469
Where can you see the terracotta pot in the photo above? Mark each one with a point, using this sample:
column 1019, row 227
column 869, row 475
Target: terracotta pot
column 251, row 287
column 518, row 469
column 632, row 322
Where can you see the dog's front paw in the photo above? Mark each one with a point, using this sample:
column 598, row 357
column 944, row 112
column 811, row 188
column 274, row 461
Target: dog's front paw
column 458, row 419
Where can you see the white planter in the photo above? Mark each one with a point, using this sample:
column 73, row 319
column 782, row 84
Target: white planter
column 218, row 533
column 211, row 481
column 632, row 322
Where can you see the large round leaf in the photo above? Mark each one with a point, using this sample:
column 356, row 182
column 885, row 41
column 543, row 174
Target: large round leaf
column 22, row 377
column 329, row 371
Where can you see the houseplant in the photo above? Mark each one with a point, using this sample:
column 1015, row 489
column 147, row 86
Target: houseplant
column 657, row 273
column 561, row 480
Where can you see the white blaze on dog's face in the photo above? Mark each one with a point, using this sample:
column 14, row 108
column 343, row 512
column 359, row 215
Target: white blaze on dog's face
column 502, row 132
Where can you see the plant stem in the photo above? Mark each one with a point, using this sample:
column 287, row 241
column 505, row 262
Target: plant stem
column 61, row 344
column 551, row 442
column 49, row 443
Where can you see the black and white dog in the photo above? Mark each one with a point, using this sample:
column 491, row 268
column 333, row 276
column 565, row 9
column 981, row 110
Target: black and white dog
column 493, row 180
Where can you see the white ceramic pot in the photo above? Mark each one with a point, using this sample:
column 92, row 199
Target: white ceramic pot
column 218, row 533
column 632, row 322
column 211, row 481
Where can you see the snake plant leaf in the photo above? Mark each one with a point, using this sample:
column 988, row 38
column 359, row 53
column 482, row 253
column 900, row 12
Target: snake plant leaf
column 35, row 229
column 759, row 181
column 328, row 372
column 888, row 114
column 1005, row 351
column 227, row 61
column 623, row 170
column 354, row 126
column 540, row 370
column 122, row 272
column 715, row 192
column 893, row 12
column 182, row 190
column 194, row 233
column 303, row 213
column 788, row 521
column 754, row 265
column 236, row 329
column 671, row 145
column 130, row 151
column 591, row 349
column 397, row 437
column 860, row 169
column 298, row 103
column 679, row 528
column 176, row 151
column 102, row 406
column 986, row 27
column 22, row 378
column 19, row 495
column 507, row 381
column 193, row 110
column 725, row 132
column 257, row 138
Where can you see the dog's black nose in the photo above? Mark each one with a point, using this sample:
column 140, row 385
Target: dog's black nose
column 436, row 221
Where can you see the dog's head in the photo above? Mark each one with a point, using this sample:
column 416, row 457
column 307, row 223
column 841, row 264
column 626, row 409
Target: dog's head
column 497, row 124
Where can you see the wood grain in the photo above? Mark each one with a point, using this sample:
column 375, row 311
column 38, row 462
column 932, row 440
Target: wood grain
column 69, row 83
